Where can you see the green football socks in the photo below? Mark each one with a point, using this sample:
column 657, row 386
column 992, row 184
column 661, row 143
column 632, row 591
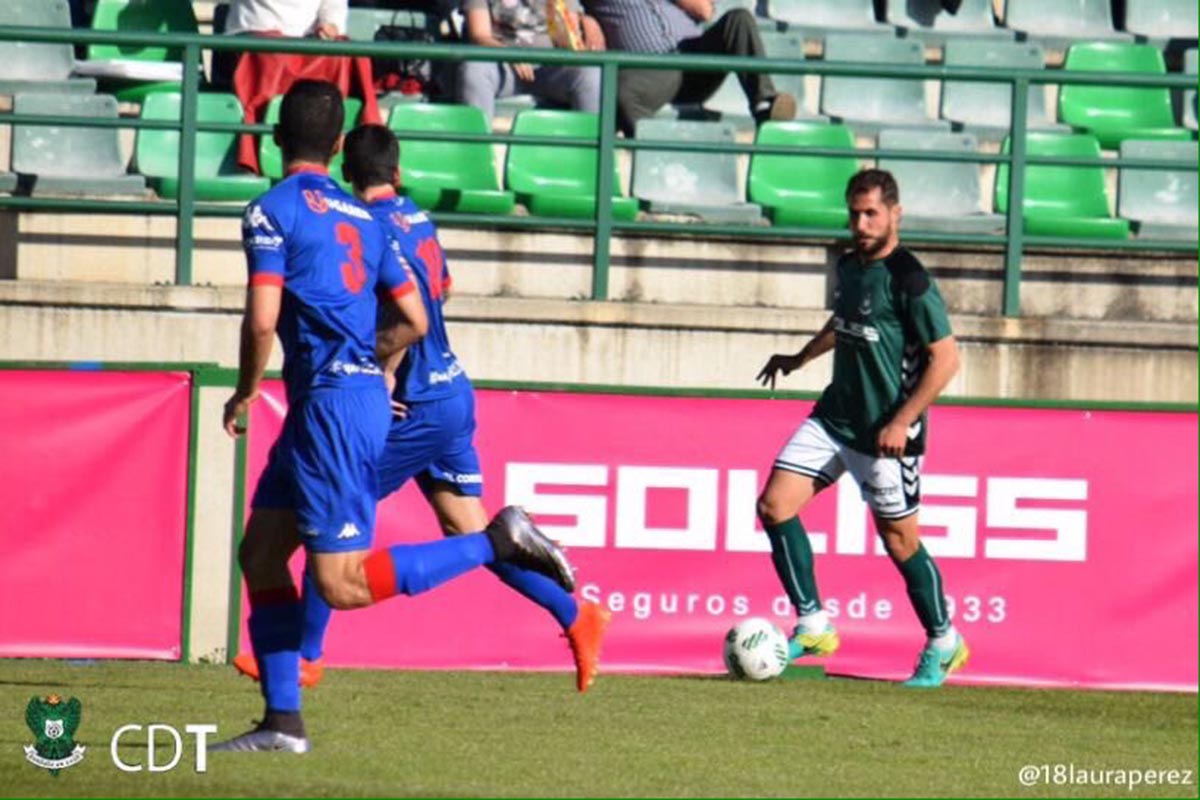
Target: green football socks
column 924, row 585
column 792, row 556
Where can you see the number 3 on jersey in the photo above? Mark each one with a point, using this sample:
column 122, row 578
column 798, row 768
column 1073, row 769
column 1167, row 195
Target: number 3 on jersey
column 354, row 274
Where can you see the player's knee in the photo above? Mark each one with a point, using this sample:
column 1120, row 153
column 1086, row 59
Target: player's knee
column 899, row 547
column 343, row 594
column 772, row 509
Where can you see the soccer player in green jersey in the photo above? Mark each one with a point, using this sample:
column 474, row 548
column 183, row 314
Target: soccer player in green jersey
column 893, row 354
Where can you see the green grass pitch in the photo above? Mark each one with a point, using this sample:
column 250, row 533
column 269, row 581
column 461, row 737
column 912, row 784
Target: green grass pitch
column 471, row 734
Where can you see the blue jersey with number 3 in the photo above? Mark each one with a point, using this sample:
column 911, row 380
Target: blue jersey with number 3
column 329, row 255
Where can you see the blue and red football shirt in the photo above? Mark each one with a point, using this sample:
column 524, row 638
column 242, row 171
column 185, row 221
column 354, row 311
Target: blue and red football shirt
column 430, row 369
column 329, row 254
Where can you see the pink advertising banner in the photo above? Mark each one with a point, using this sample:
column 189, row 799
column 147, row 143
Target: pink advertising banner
column 1060, row 534
column 93, row 467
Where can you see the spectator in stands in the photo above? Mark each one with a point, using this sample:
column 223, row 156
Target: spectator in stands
column 258, row 77
column 670, row 26
column 523, row 23
column 324, row 19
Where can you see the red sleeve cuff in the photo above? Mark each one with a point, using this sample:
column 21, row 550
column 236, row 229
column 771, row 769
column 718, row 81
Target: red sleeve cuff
column 400, row 291
column 266, row 279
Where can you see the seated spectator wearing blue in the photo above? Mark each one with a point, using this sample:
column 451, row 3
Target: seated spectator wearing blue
column 522, row 23
column 671, row 26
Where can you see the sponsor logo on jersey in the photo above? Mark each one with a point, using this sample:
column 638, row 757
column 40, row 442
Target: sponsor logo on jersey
column 856, row 329
column 350, row 209
column 264, row 241
column 339, row 367
column 445, row 376
column 349, row 531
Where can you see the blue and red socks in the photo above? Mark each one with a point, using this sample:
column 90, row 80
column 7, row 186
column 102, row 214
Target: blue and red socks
column 415, row 568
column 276, row 620
column 540, row 589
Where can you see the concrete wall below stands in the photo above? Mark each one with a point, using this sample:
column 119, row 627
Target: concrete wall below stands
column 634, row 344
column 1099, row 285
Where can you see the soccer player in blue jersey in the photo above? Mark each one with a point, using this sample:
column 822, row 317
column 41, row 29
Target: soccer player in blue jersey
column 431, row 439
column 316, row 259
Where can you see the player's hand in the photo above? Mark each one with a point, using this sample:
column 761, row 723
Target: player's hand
column 399, row 410
column 776, row 364
column 524, row 72
column 891, row 440
column 235, row 408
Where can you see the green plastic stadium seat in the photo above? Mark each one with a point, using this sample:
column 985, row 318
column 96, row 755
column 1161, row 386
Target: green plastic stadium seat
column 1162, row 203
column 985, row 109
column 703, row 185
column 813, row 19
column 807, row 191
column 217, row 176
column 868, row 104
column 560, row 181
column 730, row 101
column 1188, row 99
column 71, row 160
column 1063, row 201
column 270, row 158
column 448, row 176
column 1054, row 25
column 1115, row 113
column 1160, row 21
column 941, row 196
column 928, row 20
column 29, row 67
column 150, row 16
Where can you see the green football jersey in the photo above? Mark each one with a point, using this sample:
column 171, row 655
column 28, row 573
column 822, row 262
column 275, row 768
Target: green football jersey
column 886, row 314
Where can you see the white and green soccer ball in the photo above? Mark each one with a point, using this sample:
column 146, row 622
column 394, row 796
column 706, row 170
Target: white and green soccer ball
column 755, row 650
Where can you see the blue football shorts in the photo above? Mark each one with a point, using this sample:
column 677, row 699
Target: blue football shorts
column 324, row 466
column 434, row 443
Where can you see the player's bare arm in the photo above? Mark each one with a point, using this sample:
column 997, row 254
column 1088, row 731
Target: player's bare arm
column 402, row 323
column 943, row 365
column 258, row 337
column 820, row 344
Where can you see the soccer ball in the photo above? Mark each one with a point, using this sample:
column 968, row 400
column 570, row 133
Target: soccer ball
column 755, row 650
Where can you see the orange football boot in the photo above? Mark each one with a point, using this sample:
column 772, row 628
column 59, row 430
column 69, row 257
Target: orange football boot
column 311, row 672
column 585, row 636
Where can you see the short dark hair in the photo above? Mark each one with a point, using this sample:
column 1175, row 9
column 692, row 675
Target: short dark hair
column 372, row 155
column 310, row 121
column 868, row 179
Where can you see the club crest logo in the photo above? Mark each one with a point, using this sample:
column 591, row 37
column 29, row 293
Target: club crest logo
column 316, row 201
column 53, row 722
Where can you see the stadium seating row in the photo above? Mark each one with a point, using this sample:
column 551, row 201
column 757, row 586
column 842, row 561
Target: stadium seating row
column 561, row 181
column 865, row 104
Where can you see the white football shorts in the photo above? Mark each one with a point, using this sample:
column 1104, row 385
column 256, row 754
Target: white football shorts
column 890, row 486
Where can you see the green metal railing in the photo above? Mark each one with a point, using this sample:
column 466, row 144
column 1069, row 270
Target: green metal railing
column 1014, row 240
